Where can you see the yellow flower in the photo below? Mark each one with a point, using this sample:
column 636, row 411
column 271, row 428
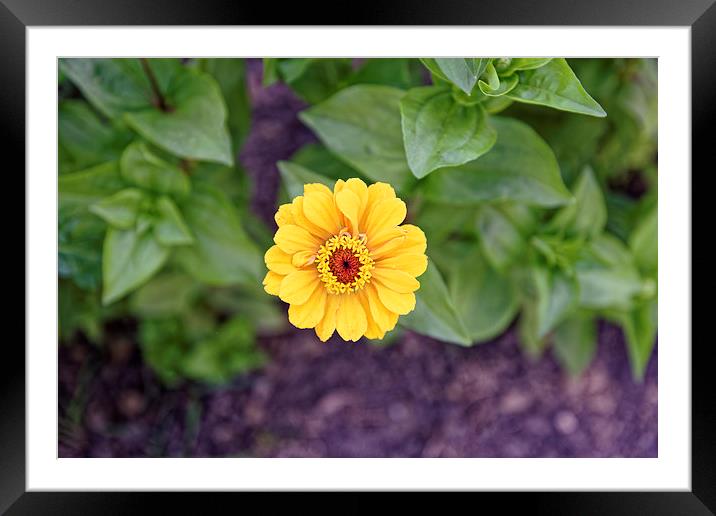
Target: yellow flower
column 343, row 262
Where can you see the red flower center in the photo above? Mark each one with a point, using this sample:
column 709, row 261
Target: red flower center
column 345, row 265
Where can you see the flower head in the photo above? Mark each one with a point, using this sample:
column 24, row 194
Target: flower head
column 343, row 261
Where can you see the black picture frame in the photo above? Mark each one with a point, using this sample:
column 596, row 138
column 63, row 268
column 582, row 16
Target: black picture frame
column 700, row 15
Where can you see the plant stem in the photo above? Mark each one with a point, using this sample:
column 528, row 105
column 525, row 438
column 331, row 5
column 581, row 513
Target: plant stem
column 158, row 99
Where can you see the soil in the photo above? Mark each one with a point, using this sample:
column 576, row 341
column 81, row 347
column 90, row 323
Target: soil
column 415, row 398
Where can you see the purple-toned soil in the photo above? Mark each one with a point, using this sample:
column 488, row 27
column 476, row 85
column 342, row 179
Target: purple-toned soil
column 415, row 398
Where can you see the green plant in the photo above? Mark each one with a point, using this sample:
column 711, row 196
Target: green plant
column 518, row 176
column 515, row 199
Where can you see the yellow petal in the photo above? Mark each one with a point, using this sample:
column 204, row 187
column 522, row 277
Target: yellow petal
column 373, row 332
column 378, row 240
column 316, row 187
column 297, row 287
column 358, row 187
column 389, row 247
column 413, row 264
column 351, row 322
column 349, row 204
column 400, row 303
column 272, row 283
column 384, row 215
column 415, row 240
column 303, row 259
column 278, row 261
column 310, row 313
column 283, row 215
column 327, row 325
column 292, row 239
column 396, row 280
column 378, row 312
column 320, row 209
column 299, row 216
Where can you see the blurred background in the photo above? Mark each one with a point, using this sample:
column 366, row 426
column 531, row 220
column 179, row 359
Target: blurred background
column 200, row 367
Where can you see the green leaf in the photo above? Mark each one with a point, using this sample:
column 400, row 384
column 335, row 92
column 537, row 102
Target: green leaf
column 84, row 140
column 295, row 176
column 316, row 157
column 78, row 190
column 640, row 331
column 164, row 295
column 361, row 125
column 315, row 79
column 644, row 243
column 230, row 75
column 587, row 216
column 435, row 314
column 222, row 254
column 485, row 300
column 194, row 127
column 500, row 241
column 552, row 295
column 164, row 347
column 143, row 168
column 575, row 342
column 607, row 275
column 555, row 85
column 129, row 258
column 121, row 209
column 439, row 132
column 520, row 167
column 270, row 71
column 79, row 243
column 113, row 86
column 507, row 66
column 504, row 86
column 462, row 72
column 230, row 351
column 169, row 227
column 401, row 73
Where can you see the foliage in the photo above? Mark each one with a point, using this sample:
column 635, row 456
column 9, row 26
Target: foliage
column 519, row 171
column 518, row 202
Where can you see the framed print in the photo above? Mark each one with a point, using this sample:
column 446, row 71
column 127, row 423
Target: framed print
column 359, row 258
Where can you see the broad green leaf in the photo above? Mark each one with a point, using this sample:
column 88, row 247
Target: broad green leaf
column 121, row 209
column 84, row 140
column 169, row 227
column 462, row 72
column 520, row 167
column 400, row 73
column 222, row 254
column 555, row 85
column 500, row 241
column 441, row 221
column 575, row 342
column 439, row 132
column 318, row 158
column 315, row 79
column 588, row 215
column 113, row 86
column 143, row 168
column 129, row 258
column 230, row 75
column 607, row 275
column 79, row 246
column 78, row 190
column 485, row 300
column 194, row 127
column 295, row 176
column 506, row 66
column 361, row 125
column 164, row 346
column 164, row 295
column 644, row 243
column 435, row 314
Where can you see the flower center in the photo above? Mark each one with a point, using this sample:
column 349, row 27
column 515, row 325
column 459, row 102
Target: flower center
column 344, row 264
